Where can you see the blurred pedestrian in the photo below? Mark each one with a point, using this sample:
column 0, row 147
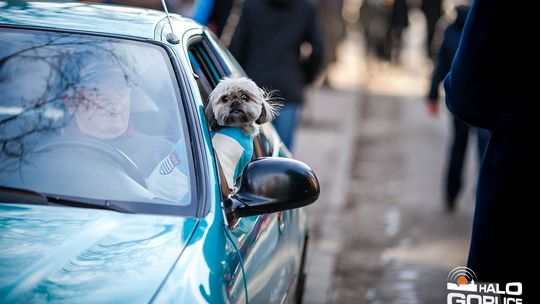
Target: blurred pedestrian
column 487, row 88
column 333, row 29
column 432, row 10
column 213, row 14
column 202, row 11
column 399, row 20
column 267, row 43
column 460, row 129
column 374, row 18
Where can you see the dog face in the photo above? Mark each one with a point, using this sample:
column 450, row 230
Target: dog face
column 239, row 102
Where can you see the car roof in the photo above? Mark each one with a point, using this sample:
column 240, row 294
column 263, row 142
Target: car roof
column 89, row 17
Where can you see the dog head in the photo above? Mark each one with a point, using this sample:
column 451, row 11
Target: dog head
column 239, row 102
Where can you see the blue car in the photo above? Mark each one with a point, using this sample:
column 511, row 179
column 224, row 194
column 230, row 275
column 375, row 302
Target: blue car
column 109, row 187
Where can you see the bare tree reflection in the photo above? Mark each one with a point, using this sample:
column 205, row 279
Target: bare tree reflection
column 37, row 70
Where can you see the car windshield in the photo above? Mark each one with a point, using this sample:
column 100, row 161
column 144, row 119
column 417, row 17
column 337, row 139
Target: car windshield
column 91, row 117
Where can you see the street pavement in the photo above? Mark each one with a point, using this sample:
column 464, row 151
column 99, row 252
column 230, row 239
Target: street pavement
column 379, row 232
column 326, row 141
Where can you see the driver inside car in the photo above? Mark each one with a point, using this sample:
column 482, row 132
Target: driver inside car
column 100, row 106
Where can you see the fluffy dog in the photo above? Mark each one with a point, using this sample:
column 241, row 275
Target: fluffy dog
column 239, row 102
column 236, row 108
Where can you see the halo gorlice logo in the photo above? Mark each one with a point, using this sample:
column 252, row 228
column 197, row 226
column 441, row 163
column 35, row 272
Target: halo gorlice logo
column 462, row 278
column 463, row 288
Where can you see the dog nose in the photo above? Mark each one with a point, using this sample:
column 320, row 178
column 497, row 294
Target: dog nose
column 235, row 104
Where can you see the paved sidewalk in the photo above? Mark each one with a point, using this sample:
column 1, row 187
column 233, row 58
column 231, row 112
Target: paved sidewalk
column 378, row 231
column 325, row 141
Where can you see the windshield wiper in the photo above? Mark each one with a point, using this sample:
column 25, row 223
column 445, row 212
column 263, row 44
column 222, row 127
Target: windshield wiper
column 30, row 197
column 85, row 203
column 22, row 196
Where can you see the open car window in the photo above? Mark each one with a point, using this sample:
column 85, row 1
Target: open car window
column 92, row 117
column 209, row 70
column 203, row 63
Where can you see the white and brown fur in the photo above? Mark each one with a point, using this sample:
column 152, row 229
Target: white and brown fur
column 239, row 102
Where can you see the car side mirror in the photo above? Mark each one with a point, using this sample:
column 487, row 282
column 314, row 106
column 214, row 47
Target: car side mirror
column 273, row 184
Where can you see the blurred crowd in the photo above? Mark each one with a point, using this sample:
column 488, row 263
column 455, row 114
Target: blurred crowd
column 285, row 45
column 382, row 21
column 307, row 47
column 222, row 16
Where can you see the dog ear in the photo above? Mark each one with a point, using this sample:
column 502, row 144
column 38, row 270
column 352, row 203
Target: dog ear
column 268, row 111
column 210, row 118
column 263, row 117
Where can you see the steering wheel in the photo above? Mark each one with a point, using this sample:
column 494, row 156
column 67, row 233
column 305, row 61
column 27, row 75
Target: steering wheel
column 99, row 146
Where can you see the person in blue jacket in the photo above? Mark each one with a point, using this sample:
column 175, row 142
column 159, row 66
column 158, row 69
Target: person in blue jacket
column 460, row 130
column 487, row 88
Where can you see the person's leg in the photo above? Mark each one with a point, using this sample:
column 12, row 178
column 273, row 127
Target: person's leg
column 431, row 27
column 396, row 45
column 388, row 44
column 483, row 138
column 286, row 123
column 455, row 164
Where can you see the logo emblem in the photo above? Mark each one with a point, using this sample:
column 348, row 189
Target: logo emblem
column 463, row 287
column 462, row 278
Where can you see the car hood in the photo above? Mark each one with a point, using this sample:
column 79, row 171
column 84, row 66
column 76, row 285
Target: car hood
column 58, row 253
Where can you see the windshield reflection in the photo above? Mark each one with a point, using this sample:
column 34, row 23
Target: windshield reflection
column 90, row 117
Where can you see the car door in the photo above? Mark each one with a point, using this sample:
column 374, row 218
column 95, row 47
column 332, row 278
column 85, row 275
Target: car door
column 292, row 223
column 260, row 240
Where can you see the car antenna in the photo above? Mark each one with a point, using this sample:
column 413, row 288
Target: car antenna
column 171, row 37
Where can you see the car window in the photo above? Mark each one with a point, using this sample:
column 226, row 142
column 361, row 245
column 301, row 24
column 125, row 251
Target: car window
column 230, row 64
column 264, row 142
column 205, row 65
column 93, row 117
column 206, row 80
column 207, row 70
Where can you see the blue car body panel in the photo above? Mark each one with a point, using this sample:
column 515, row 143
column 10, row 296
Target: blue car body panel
column 59, row 253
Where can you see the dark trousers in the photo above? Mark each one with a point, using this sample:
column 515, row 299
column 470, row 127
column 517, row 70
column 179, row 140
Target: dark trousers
column 431, row 28
column 504, row 234
column 287, row 122
column 454, row 175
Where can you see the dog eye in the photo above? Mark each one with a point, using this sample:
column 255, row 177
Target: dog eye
column 225, row 99
column 244, row 97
